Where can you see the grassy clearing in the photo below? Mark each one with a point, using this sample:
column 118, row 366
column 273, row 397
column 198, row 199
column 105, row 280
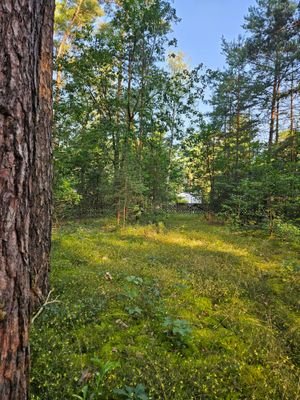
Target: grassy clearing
column 189, row 311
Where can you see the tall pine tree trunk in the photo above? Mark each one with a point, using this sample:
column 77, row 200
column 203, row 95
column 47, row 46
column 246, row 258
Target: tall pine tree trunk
column 26, row 29
column 292, row 125
column 275, row 92
column 277, row 113
column 273, row 113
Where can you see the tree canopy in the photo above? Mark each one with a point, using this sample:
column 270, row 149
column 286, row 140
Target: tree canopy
column 129, row 126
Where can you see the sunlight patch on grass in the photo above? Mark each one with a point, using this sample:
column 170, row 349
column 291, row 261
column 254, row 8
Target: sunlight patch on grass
column 190, row 310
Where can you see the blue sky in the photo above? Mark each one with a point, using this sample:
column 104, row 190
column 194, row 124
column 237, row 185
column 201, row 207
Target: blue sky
column 203, row 22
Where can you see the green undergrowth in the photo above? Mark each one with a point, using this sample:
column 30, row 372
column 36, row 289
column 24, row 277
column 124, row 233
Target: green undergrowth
column 188, row 310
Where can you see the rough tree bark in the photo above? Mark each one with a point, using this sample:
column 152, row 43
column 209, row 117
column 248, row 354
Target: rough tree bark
column 26, row 30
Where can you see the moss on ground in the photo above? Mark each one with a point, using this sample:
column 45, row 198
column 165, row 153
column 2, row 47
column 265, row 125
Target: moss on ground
column 192, row 311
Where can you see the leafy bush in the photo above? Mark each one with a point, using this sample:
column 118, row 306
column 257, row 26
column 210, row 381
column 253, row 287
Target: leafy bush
column 178, row 330
column 287, row 230
column 132, row 393
column 65, row 198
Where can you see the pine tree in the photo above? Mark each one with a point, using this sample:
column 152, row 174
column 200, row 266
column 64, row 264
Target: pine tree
column 26, row 30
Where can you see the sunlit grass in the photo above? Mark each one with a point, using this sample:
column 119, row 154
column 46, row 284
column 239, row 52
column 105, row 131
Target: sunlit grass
column 231, row 301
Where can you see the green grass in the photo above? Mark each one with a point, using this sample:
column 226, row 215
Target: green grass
column 193, row 311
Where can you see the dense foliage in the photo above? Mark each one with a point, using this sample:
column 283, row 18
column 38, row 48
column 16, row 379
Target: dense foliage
column 245, row 158
column 129, row 131
column 121, row 112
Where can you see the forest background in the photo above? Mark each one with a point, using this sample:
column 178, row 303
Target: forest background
column 135, row 125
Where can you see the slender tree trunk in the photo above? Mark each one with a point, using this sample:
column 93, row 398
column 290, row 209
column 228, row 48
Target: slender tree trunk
column 273, row 114
column 292, row 127
column 62, row 49
column 238, row 128
column 229, row 168
column 171, row 145
column 226, row 139
column 26, row 29
column 142, row 134
column 211, row 172
column 277, row 113
column 116, row 146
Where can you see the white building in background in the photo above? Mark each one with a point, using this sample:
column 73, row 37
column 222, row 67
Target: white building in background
column 189, row 198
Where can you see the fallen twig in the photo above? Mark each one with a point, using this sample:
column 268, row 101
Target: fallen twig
column 44, row 305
